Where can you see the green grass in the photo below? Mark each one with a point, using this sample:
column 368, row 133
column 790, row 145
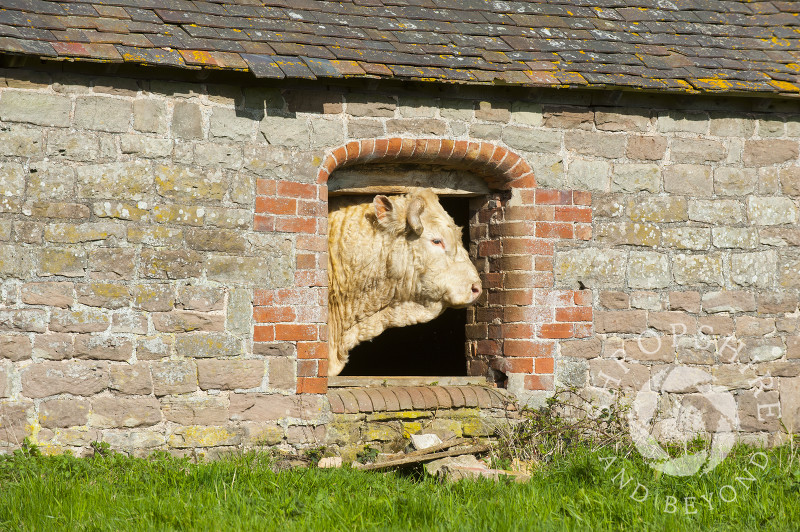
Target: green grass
column 575, row 492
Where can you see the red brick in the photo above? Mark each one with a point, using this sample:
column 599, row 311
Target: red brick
column 556, row 330
column 553, row 197
column 296, row 225
column 353, row 149
column 329, row 165
column 488, row 347
column 517, row 297
column 583, row 231
column 580, row 197
column 583, row 330
column 527, row 246
column 265, row 187
column 517, row 330
column 311, row 208
column 273, row 314
column 544, row 213
column 489, row 248
column 340, row 154
column 289, row 189
column 394, row 146
column 322, row 176
column 544, row 264
column 407, row 147
column 312, row 243
column 492, row 280
column 545, row 366
column 573, row 214
column 308, row 350
column 322, row 367
column 312, row 385
column 268, row 205
column 528, row 280
column 538, row 382
column 527, row 180
column 574, row 314
column 263, row 223
column 516, row 262
column 307, row 368
column 294, row 331
column 306, row 261
column 554, row 230
column 527, row 348
column 263, row 333
column 380, row 147
column 583, row 297
column 517, row 365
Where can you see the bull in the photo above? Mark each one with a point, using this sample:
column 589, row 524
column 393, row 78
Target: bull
column 393, row 261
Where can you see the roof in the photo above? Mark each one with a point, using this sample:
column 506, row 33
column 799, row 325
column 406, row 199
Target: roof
column 673, row 45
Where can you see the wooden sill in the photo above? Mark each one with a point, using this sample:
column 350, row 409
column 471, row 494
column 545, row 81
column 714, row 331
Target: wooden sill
column 364, row 382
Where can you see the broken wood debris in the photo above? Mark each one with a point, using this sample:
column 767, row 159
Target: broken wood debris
column 425, row 455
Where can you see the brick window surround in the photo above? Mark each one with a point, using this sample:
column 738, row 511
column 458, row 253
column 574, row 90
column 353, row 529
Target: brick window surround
column 514, row 231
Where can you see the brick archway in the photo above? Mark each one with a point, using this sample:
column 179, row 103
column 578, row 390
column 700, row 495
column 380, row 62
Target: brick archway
column 514, row 331
column 502, row 168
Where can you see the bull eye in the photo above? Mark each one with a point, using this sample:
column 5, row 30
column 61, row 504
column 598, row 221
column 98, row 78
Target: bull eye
column 438, row 242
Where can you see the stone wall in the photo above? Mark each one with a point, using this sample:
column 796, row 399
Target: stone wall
column 162, row 250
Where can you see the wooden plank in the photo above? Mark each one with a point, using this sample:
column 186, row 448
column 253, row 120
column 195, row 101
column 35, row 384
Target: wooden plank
column 402, row 178
column 424, row 458
column 358, row 382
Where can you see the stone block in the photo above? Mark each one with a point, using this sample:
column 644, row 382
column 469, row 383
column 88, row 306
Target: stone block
column 187, row 121
column 28, row 232
column 154, row 347
column 647, row 269
column 631, row 178
column 588, row 348
column 682, row 122
column 263, row 433
column 172, row 377
column 696, row 151
column 96, row 347
column 370, row 105
column 365, row 128
column 127, row 412
column 695, row 238
column 568, row 117
column 215, row 240
column 147, row 147
column 724, row 126
column 271, row 269
column 76, row 377
column 616, row 374
column 688, row 301
column 219, row 155
column 269, row 407
column 132, row 180
column 230, row 374
column 729, row 301
column 715, row 325
column 492, row 112
column 589, row 175
column 53, row 346
column 183, row 183
column 4, row 387
column 106, row 295
column 646, row 300
column 12, row 183
column 621, row 121
column 103, row 114
column 753, row 326
column 189, row 410
column 21, row 141
column 282, row 373
column 179, row 214
column 47, row 181
column 790, row 180
column 208, row 345
column 790, row 403
column 717, row 212
column 768, row 210
column 595, row 144
column 734, row 237
column 688, row 179
column 759, row 410
column 328, row 132
column 672, row 322
column 698, row 269
column 171, row 264
column 63, row 413
column 200, row 298
column 231, row 124
column 73, row 145
column 238, row 318
column 658, row 209
column 756, row 270
column 634, row 234
column 179, row 321
column 131, row 379
column 527, row 113
column 734, row 181
column 532, row 140
column 17, row 421
column 620, row 321
column 14, row 261
column 112, row 263
column 23, row 320
column 140, row 442
column 56, row 294
column 198, row 436
column 646, row 148
column 789, row 271
column 777, row 302
column 229, row 218
column 35, row 108
column 150, row 116
column 768, row 152
column 614, row 300
column 79, row 320
column 59, row 210
column 416, row 126
column 15, row 347
column 650, row 349
column 591, row 266
column 128, row 320
column 285, row 131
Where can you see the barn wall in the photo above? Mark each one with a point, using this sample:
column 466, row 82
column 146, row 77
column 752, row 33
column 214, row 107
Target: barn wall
column 161, row 247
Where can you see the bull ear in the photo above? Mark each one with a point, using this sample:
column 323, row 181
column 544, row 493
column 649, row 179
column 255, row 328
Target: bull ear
column 415, row 208
column 384, row 210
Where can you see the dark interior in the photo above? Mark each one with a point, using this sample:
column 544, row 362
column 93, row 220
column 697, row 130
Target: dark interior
column 435, row 348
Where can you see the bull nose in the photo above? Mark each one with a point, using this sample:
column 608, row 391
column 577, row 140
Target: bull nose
column 476, row 291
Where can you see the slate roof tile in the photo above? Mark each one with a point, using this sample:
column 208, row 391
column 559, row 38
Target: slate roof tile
column 677, row 45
